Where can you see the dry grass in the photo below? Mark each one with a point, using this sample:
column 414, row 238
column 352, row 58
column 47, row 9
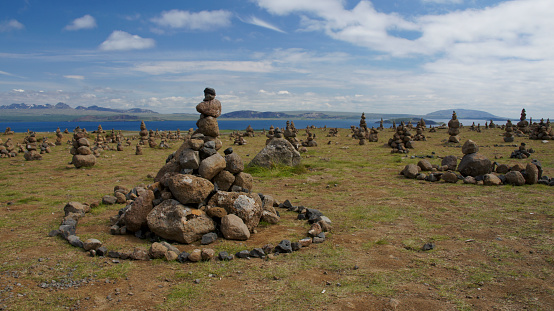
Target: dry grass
column 494, row 245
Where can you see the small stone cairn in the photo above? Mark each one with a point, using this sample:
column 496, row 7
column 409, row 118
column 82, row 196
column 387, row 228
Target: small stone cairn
column 401, row 140
column 45, row 146
column 31, row 145
column 420, row 128
column 8, row 131
column 522, row 152
column 7, row 149
column 509, row 132
column 249, row 132
column 143, row 134
column 59, row 137
column 310, row 140
column 454, row 129
column 82, row 154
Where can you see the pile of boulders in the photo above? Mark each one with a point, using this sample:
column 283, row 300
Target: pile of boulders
column 31, row 154
column 401, row 140
column 541, row 130
column 474, row 168
column 7, row 149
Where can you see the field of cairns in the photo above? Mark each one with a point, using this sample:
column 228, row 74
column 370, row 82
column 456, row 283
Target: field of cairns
column 394, row 243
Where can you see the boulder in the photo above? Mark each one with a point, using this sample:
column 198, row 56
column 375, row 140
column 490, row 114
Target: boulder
column 410, row 171
column 189, row 159
column 80, row 160
column 211, row 166
column 189, row 189
column 425, row 165
column 89, row 244
column 515, row 178
column 234, row 163
column 210, row 108
column 208, row 126
column 502, row 169
column 531, row 174
column 76, row 208
column 135, row 216
column 224, row 180
column 474, row 164
column 278, row 151
column 450, row 177
column 450, row 161
column 244, row 180
column 174, row 221
column 233, row 228
column 491, row 180
column 247, row 206
column 170, row 167
column 470, row 147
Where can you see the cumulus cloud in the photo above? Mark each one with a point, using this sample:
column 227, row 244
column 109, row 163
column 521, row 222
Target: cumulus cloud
column 258, row 22
column 121, row 41
column 10, row 25
column 85, row 22
column 204, row 20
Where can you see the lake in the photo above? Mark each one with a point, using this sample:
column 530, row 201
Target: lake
column 240, row 125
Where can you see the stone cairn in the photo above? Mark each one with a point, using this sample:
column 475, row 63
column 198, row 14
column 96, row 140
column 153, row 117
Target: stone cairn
column 82, row 154
column 523, row 124
column 522, row 152
column 8, row 131
column 492, row 125
column 454, row 129
column 401, row 140
column 7, row 150
column 249, row 132
column 143, row 134
column 291, row 133
column 59, row 137
column 381, row 126
column 31, row 145
column 541, row 130
column 310, row 140
column 198, row 191
column 333, row 132
column 509, row 132
column 45, row 146
column 420, row 136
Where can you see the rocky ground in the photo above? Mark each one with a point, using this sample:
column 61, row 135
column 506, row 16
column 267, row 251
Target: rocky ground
column 396, row 243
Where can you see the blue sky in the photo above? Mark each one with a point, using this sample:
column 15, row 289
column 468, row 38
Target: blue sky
column 382, row 56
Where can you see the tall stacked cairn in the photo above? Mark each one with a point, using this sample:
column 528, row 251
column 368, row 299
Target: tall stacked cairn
column 509, row 132
column 143, row 134
column 523, row 124
column 198, row 191
column 401, row 140
column 454, row 129
column 82, row 154
column 59, row 137
column 291, row 133
column 541, row 130
column 31, row 145
column 45, row 146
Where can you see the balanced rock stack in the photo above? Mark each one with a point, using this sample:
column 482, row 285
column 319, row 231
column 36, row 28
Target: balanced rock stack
column 373, row 135
column 45, row 146
column 310, row 142
column 31, row 145
column 7, row 150
column 59, row 137
column 401, row 140
column 523, row 124
column 143, row 133
column 8, row 131
column 198, row 191
column 454, row 129
column 509, row 132
column 291, row 133
column 249, row 131
column 82, row 154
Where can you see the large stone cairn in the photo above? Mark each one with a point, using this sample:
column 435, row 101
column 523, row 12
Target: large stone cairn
column 82, row 154
column 454, row 129
column 541, row 130
column 31, row 145
column 143, row 134
column 198, row 191
column 401, row 140
column 59, row 137
column 509, row 132
column 523, row 124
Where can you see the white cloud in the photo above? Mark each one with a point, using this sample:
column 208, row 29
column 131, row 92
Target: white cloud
column 10, row 25
column 121, row 41
column 85, row 22
column 18, row 90
column 258, row 22
column 76, row 77
column 176, row 67
column 204, row 20
column 443, row 1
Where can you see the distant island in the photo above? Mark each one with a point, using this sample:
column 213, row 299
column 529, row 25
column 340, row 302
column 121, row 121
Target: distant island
column 63, row 112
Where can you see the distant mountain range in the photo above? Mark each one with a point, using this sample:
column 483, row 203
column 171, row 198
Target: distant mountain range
column 62, row 106
column 64, row 112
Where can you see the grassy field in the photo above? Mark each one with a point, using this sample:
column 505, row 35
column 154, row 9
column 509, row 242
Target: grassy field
column 494, row 246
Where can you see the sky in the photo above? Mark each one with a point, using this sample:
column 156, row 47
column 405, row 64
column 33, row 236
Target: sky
column 379, row 56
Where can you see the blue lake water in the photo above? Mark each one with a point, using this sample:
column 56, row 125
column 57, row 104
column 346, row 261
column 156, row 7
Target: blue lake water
column 239, row 125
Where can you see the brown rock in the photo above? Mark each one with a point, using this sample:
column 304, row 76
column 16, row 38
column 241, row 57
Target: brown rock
column 224, row 180
column 189, row 189
column 515, row 178
column 425, row 165
column 531, row 174
column 210, row 108
column 211, row 166
column 450, row 177
column 474, row 164
column 247, row 206
column 234, row 163
column 208, row 126
column 410, row 171
column 244, row 180
column 470, row 147
column 491, row 180
column 450, row 161
column 80, row 160
column 233, row 228
column 135, row 217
